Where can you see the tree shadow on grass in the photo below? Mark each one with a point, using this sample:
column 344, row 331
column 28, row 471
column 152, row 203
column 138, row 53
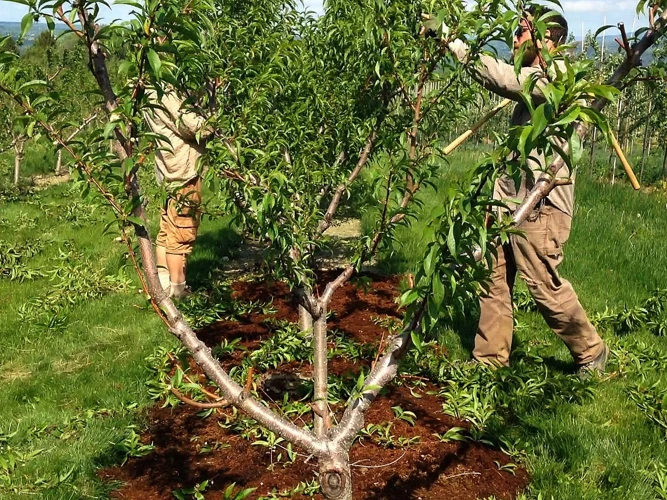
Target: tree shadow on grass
column 559, row 365
column 212, row 250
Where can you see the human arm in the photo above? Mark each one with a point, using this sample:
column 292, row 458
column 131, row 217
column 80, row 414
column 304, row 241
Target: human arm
column 190, row 126
column 498, row 76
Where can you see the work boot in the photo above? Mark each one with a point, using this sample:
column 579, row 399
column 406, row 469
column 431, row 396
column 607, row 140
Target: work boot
column 596, row 365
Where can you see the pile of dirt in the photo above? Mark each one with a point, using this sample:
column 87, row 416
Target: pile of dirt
column 190, row 449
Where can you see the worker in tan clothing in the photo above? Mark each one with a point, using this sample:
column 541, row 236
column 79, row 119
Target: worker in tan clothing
column 537, row 253
column 176, row 164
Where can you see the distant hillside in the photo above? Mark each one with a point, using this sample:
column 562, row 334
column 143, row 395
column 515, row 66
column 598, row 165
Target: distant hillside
column 611, row 47
column 14, row 29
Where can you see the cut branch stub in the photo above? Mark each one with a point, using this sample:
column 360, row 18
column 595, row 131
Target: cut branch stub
column 335, row 476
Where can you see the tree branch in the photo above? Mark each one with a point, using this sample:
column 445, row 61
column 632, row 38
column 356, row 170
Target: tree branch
column 85, row 123
column 625, row 44
column 65, row 19
column 338, row 195
column 385, row 371
column 197, row 404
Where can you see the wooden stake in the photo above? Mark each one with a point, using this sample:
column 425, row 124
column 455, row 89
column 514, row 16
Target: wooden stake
column 624, row 161
column 465, row 135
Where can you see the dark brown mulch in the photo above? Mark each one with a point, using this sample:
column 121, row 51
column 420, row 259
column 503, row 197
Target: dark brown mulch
column 428, row 470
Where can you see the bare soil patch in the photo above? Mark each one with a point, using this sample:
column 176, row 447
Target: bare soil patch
column 45, row 181
column 427, row 469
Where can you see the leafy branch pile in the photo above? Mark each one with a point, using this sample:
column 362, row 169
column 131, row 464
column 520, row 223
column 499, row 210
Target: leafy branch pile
column 13, row 260
column 650, row 315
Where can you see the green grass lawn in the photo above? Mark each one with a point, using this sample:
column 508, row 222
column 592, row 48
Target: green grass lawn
column 73, row 371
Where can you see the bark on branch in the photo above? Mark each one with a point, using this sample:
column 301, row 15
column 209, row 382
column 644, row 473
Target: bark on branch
column 338, row 195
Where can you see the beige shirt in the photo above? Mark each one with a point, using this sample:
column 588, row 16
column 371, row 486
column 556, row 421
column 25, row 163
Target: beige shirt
column 500, row 78
column 176, row 158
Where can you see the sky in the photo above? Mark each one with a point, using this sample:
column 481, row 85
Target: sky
column 590, row 12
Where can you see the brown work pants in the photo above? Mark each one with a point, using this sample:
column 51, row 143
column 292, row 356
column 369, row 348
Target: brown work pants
column 179, row 219
column 536, row 256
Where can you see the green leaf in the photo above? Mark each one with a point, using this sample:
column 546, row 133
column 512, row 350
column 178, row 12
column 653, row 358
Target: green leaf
column 451, row 241
column 154, row 61
column 417, row 341
column 606, row 91
column 131, row 3
column 26, row 23
column 108, row 129
column 32, row 83
column 430, row 261
column 438, row 289
column 570, row 115
column 128, row 165
column 539, row 121
column 135, row 220
column 523, row 138
column 409, row 297
column 601, row 29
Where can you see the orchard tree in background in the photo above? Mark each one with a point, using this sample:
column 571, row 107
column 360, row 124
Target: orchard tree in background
column 59, row 63
column 12, row 115
column 302, row 107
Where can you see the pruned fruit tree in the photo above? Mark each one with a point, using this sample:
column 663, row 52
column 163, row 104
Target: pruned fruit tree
column 311, row 116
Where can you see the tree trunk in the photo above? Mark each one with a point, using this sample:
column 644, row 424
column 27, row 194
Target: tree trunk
column 645, row 142
column 59, row 162
column 320, row 374
column 592, row 158
column 18, row 158
column 305, row 320
column 335, row 477
column 664, row 163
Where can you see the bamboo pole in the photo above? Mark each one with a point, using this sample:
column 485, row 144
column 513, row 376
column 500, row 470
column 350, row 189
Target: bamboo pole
column 624, row 161
column 465, row 135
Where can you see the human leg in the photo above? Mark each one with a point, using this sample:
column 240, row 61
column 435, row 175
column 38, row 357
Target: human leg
column 537, row 258
column 183, row 223
column 493, row 341
column 176, row 266
column 161, row 252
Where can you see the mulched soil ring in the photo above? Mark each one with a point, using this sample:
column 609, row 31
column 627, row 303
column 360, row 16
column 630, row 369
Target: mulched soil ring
column 190, row 449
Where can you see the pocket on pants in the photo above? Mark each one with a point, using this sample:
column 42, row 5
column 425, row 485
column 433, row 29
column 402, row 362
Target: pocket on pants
column 184, row 207
column 558, row 232
column 183, row 216
column 553, row 247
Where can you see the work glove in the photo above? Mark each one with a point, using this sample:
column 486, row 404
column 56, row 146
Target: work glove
column 434, row 28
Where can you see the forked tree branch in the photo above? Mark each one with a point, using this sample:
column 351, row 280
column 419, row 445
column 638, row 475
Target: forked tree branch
column 385, row 370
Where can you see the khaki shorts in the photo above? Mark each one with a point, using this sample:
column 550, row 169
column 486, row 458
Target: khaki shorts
column 179, row 220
